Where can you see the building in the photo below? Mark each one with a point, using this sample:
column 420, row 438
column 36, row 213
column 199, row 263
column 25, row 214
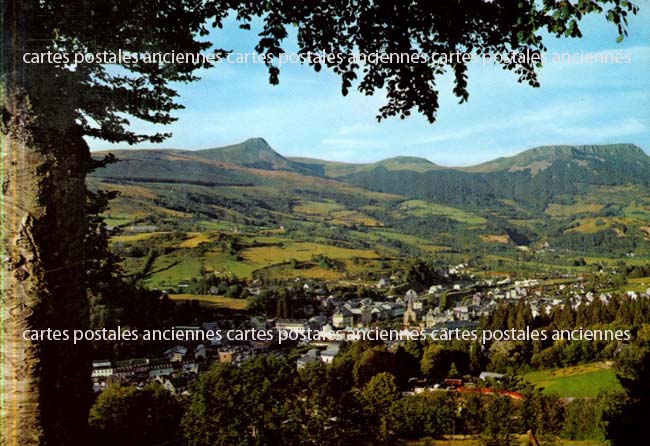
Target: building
column 430, row 319
column 226, row 356
column 384, row 282
column 102, row 369
column 491, row 376
column 342, row 318
column 366, row 315
column 328, row 355
column 299, row 326
column 176, row 354
column 312, row 356
column 410, row 315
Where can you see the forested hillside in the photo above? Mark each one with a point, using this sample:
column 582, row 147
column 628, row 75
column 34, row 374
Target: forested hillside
column 577, row 198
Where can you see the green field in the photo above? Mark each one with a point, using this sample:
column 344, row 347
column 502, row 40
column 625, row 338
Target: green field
column 413, row 240
column 568, row 210
column 317, row 207
column 581, row 381
column 639, row 285
column 257, row 253
column 215, row 301
column 135, row 237
column 422, row 208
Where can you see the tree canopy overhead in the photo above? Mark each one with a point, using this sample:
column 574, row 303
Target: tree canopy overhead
column 103, row 99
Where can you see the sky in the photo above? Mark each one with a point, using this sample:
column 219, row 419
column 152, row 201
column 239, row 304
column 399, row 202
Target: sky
column 307, row 116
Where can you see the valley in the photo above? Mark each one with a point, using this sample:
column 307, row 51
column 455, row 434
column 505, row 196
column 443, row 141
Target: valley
column 241, row 239
column 543, row 209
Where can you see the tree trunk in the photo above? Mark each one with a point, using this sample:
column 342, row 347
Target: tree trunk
column 46, row 385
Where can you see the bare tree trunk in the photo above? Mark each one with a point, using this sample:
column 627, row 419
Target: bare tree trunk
column 46, row 385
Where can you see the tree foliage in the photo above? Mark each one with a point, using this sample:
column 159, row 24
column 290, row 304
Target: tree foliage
column 99, row 97
column 129, row 416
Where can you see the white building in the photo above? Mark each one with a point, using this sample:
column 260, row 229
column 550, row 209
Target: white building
column 102, row 369
column 299, row 326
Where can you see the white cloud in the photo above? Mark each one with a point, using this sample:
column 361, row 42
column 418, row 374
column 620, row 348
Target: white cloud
column 354, row 129
column 626, row 127
column 349, row 142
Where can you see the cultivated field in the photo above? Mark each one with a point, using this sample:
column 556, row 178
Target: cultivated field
column 215, row 301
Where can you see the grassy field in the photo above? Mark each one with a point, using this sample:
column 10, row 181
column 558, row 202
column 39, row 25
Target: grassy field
column 532, row 265
column 268, row 247
column 639, row 285
column 496, row 238
column 215, row 301
column 590, row 225
column 170, row 269
column 612, row 262
column 348, row 217
column 314, row 271
column 567, row 210
column 317, row 207
column 581, row 381
column 195, row 239
column 135, row 237
column 301, row 251
column 422, row 209
column 420, row 242
column 334, row 213
column 637, row 211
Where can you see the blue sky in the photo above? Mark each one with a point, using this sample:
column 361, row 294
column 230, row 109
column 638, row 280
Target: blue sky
column 307, row 116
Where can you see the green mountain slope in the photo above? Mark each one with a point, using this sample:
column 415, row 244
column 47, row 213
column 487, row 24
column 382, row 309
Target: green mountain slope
column 533, row 178
column 581, row 198
column 542, row 157
column 577, row 197
column 338, row 169
column 164, row 183
column 254, row 152
column 323, row 168
column 171, row 166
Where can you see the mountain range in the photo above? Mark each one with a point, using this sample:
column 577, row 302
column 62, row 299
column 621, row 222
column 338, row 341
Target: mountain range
column 591, row 197
column 258, row 154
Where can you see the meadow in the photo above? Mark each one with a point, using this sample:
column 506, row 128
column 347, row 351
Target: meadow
column 213, row 301
column 271, row 254
column 423, row 208
column 581, row 381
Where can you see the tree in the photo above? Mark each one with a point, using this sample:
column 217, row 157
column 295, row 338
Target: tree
column 499, row 424
column 434, row 363
column 476, row 359
column 127, row 416
column 234, row 291
column 253, row 404
column 378, row 395
column 583, row 420
column 542, row 414
column 48, row 108
column 380, row 392
column 372, row 362
column 473, row 413
column 625, row 422
column 333, row 414
column 427, row 414
column 506, row 355
column 453, row 371
column 408, row 360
